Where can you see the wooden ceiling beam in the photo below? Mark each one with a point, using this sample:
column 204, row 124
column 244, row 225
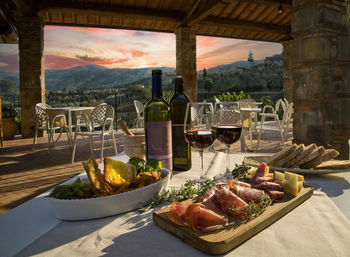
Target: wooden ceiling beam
column 108, row 10
column 286, row 4
column 203, row 10
column 25, row 7
column 251, row 26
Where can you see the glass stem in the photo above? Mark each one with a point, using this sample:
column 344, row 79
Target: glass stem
column 228, row 160
column 201, row 164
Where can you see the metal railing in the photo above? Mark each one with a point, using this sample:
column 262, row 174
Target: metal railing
column 123, row 103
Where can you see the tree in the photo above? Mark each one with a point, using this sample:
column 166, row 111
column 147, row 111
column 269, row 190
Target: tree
column 251, row 58
column 205, row 73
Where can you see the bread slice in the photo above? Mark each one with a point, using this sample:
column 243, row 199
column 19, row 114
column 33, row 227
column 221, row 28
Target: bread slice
column 308, row 150
column 281, row 162
column 329, row 154
column 334, row 165
column 285, row 160
column 315, row 153
column 278, row 156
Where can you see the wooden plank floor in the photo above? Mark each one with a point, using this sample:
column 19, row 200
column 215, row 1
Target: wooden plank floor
column 25, row 174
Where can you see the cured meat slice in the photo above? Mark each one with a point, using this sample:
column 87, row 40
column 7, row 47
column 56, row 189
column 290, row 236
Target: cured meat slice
column 236, row 182
column 269, row 186
column 177, row 213
column 260, row 172
column 248, row 194
column 228, row 201
column 204, row 219
column 259, row 180
column 276, row 194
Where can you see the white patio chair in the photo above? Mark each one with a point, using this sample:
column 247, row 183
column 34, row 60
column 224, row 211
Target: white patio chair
column 48, row 123
column 280, row 126
column 101, row 117
column 274, row 111
column 139, row 111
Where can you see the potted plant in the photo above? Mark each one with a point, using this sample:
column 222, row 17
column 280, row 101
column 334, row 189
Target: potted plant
column 9, row 122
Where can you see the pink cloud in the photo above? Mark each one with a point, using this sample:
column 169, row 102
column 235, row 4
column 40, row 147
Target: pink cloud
column 9, row 63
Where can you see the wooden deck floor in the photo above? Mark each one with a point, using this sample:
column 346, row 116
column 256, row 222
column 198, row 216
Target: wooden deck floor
column 25, row 174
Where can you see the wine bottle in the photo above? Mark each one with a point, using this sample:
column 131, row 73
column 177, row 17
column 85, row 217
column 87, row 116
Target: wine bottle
column 181, row 149
column 158, row 125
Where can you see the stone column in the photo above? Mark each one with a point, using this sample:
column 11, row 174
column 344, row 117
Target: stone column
column 186, row 60
column 31, row 69
column 287, row 55
column 321, row 74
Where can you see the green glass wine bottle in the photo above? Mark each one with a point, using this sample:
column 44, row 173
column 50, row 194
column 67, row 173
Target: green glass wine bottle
column 158, row 125
column 181, row 149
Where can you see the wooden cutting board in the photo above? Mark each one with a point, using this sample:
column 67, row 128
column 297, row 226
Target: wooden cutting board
column 237, row 232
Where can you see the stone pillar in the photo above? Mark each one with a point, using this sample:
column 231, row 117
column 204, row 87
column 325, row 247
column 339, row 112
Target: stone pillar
column 31, row 69
column 321, row 74
column 287, row 55
column 186, row 60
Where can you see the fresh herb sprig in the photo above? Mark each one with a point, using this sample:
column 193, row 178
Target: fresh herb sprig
column 255, row 209
column 189, row 190
column 240, row 172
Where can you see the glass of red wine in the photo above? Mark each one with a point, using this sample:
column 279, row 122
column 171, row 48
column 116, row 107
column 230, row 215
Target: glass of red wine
column 198, row 129
column 228, row 128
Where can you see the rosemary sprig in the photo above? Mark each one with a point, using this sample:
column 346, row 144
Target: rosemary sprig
column 240, row 172
column 255, row 209
column 189, row 190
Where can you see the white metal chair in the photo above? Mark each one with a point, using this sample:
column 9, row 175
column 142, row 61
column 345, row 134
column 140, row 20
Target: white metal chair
column 47, row 123
column 101, row 117
column 283, row 126
column 139, row 111
column 273, row 114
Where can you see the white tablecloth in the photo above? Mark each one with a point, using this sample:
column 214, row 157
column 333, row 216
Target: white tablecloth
column 315, row 228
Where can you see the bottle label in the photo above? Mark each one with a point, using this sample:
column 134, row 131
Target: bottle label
column 180, row 146
column 159, row 142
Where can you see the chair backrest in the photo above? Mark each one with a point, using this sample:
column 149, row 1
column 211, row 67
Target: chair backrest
column 287, row 116
column 40, row 115
column 102, row 113
column 278, row 105
column 139, row 108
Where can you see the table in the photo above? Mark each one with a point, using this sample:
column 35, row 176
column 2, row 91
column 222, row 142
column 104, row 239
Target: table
column 31, row 229
column 69, row 111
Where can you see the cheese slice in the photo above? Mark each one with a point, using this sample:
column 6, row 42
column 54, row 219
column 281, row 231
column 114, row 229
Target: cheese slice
column 292, row 186
column 279, row 176
column 288, row 174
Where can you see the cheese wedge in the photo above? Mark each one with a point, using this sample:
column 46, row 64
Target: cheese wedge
column 288, row 174
column 292, row 186
column 279, row 176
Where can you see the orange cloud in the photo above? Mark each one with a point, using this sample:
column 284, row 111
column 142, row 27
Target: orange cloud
column 136, row 53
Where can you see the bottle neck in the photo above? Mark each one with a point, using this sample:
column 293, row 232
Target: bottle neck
column 179, row 89
column 157, row 91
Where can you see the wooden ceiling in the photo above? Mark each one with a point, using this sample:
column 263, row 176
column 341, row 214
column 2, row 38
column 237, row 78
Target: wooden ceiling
column 264, row 20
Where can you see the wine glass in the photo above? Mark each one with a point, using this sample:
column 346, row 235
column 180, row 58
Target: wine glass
column 198, row 128
column 228, row 128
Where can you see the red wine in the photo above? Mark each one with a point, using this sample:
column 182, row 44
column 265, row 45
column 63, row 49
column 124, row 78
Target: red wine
column 228, row 133
column 200, row 138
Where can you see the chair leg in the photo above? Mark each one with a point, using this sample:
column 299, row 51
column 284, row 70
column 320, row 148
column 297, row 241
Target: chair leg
column 102, row 143
column 74, row 147
column 114, row 143
column 49, row 136
column 35, row 137
column 261, row 128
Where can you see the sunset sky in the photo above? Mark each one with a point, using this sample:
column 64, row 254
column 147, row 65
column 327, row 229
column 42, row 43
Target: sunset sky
column 66, row 47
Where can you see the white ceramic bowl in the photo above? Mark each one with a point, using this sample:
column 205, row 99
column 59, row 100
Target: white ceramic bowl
column 92, row 208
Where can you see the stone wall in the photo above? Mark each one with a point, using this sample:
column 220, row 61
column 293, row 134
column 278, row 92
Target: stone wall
column 321, row 74
column 186, row 60
column 32, row 72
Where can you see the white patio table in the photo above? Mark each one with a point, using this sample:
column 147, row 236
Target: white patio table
column 69, row 110
column 318, row 227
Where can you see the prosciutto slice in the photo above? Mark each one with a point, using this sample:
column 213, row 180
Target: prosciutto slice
column 248, row 194
column 229, row 201
column 268, row 186
column 196, row 216
column 204, row 219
